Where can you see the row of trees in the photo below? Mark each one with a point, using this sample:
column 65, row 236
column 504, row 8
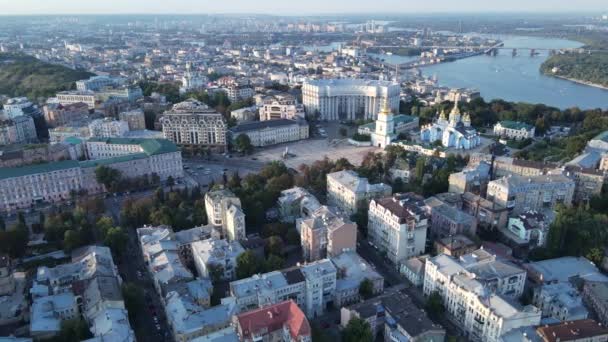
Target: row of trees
column 577, row 231
column 178, row 209
column 114, row 181
column 591, row 67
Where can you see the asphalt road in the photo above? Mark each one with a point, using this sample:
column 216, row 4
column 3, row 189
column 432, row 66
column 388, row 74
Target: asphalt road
column 132, row 269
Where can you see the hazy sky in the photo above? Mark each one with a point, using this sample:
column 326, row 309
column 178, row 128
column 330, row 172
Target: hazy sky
column 294, row 7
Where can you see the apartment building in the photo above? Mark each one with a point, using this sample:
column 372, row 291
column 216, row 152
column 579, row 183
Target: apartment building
column 349, row 99
column 396, row 316
column 96, row 83
column 108, row 128
column 398, row 225
column 18, row 130
column 238, row 93
column 350, row 193
column 560, row 301
column 216, row 258
column 89, row 286
column 312, row 287
column 267, row 133
column 514, row 130
column 595, row 295
column 531, row 227
column 296, row 203
column 326, row 233
column 186, row 299
column 479, row 293
column 224, row 210
column 473, row 179
column 192, row 123
column 519, row 194
column 281, row 106
column 57, row 114
column 447, row 220
column 19, row 106
column 72, row 97
column 585, row 330
column 279, row 322
column 134, row 118
column 351, row 271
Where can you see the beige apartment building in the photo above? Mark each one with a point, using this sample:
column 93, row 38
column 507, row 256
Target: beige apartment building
column 398, row 226
column 224, row 210
column 282, row 106
column 349, row 192
column 326, row 233
column 520, row 194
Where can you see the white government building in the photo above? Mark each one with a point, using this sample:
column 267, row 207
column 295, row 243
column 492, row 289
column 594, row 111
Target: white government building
column 349, row 99
column 21, row 187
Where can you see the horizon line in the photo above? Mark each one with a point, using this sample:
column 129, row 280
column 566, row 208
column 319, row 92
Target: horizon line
column 573, row 12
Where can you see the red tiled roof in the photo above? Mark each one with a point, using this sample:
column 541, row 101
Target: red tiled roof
column 572, row 330
column 274, row 317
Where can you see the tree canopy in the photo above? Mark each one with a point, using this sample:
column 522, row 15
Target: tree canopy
column 357, row 330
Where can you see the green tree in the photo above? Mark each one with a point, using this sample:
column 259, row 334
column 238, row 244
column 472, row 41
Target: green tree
column 247, row 264
column 73, row 330
column 116, row 239
column 170, row 181
column 242, row 143
column 108, row 176
column 419, row 169
column 274, row 246
column 71, row 240
column 216, row 272
column 14, row 240
column 357, row 330
column 434, row 306
column 103, row 225
column 133, row 297
column 366, row 289
column 273, row 263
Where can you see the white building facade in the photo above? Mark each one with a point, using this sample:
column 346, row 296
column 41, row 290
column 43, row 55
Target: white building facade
column 266, row 133
column 398, row 225
column 349, row 99
column 193, row 123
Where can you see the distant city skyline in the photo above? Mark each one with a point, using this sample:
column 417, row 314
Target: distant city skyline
column 24, row 7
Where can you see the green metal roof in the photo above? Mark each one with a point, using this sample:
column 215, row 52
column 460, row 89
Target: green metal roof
column 403, row 118
column 602, row 136
column 11, row 172
column 515, row 125
column 397, row 119
column 150, row 146
column 110, row 161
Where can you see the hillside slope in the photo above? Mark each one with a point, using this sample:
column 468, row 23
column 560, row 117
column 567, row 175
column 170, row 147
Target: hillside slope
column 22, row 75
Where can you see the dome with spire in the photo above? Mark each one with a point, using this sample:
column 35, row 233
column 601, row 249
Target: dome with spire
column 443, row 116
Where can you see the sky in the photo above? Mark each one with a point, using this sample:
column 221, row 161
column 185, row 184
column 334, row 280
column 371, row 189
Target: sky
column 293, row 7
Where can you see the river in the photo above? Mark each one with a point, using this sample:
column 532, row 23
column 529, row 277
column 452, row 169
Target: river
column 518, row 78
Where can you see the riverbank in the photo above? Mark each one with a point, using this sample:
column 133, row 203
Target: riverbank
column 590, row 84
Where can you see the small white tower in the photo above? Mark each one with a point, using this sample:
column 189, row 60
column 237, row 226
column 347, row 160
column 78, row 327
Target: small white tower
column 385, row 127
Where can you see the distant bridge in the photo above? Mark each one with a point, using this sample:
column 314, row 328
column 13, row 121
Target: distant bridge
column 485, row 48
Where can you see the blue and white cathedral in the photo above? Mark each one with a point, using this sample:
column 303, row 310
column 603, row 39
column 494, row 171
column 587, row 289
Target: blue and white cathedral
column 455, row 132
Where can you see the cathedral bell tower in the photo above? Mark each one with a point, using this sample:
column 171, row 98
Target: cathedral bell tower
column 385, row 127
